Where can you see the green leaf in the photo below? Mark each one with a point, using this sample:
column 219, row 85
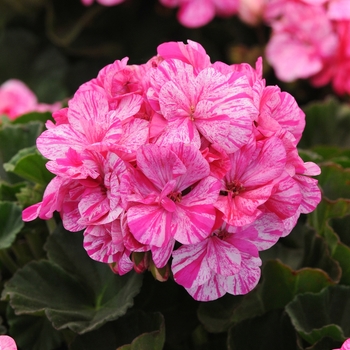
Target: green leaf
column 327, row 123
column 13, row 138
column 334, row 181
column 10, row 223
column 33, row 332
column 8, row 192
column 280, row 284
column 74, row 291
column 325, row 153
column 137, row 329
column 148, row 329
column 30, row 165
column 42, row 117
column 323, row 314
column 271, row 331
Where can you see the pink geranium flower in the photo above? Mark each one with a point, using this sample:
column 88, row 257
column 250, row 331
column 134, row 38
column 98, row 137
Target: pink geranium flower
column 250, row 181
column 216, row 106
column 196, row 13
column 227, row 261
column 7, row 343
column 302, row 38
column 17, row 99
column 171, row 195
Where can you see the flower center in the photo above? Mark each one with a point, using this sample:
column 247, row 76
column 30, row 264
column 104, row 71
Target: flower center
column 175, row 196
column 234, row 188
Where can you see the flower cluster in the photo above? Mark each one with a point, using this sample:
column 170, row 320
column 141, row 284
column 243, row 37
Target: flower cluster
column 310, row 39
column 181, row 162
column 17, row 99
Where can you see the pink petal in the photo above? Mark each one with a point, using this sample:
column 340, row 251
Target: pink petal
column 189, row 266
column 246, row 279
column 211, row 290
column 223, row 258
column 7, row 343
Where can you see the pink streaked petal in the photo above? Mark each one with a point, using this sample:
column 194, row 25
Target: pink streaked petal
column 205, row 192
column 150, row 224
column 311, row 194
column 123, row 263
column 95, row 207
column 135, row 134
column 182, row 130
column 211, row 290
column 88, row 114
column 128, row 106
column 192, row 224
column 189, row 266
column 159, row 164
column 268, row 164
column 223, row 258
column 161, row 255
column 285, row 198
column 70, row 216
column 246, row 279
column 174, row 100
column 264, row 232
column 192, row 53
column 283, row 108
column 56, row 142
column 311, row 169
column 104, row 242
column 290, row 223
column 218, row 160
column 32, row 212
column 196, row 166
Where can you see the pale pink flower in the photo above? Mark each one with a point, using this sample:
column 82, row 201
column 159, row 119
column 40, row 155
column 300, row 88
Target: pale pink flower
column 170, row 195
column 210, row 104
column 197, row 13
column 250, row 181
column 301, row 39
column 17, row 99
column 7, row 343
column 345, row 346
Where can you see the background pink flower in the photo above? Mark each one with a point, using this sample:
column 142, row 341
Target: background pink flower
column 17, row 99
column 7, row 343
